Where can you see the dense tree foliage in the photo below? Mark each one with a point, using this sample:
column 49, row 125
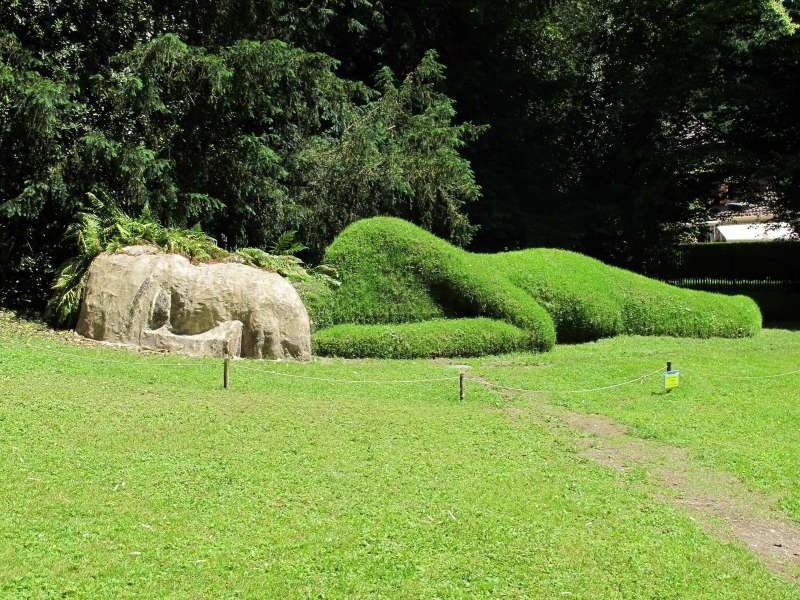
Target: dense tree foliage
column 614, row 122
column 611, row 124
column 250, row 139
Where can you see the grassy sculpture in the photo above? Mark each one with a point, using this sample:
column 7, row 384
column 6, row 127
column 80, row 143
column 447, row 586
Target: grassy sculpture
column 406, row 293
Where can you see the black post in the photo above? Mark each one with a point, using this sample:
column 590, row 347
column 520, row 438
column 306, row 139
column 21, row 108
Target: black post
column 669, row 368
column 461, row 386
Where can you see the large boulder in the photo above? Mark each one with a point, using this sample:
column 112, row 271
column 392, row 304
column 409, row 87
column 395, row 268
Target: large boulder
column 144, row 297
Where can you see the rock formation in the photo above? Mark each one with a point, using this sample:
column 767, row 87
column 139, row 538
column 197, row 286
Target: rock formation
column 144, row 297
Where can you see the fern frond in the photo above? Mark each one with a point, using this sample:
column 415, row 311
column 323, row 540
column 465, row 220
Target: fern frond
column 287, row 244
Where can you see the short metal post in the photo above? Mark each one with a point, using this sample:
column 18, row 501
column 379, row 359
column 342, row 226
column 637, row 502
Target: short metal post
column 669, row 368
column 461, row 386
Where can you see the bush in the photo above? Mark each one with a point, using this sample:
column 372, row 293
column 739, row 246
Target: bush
column 394, row 272
column 250, row 139
column 427, row 339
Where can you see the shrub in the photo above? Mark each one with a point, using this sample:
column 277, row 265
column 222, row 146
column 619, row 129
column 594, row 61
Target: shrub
column 314, row 284
column 427, row 339
column 395, row 272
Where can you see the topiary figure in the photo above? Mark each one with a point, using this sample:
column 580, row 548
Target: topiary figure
column 393, row 272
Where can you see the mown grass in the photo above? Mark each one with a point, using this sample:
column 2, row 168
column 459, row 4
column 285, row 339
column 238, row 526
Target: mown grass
column 395, row 272
column 140, row 479
column 748, row 427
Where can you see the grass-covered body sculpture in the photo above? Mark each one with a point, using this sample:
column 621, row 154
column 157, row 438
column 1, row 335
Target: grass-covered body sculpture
column 406, row 293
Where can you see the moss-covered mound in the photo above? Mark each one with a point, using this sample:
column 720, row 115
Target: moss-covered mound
column 426, row 339
column 393, row 272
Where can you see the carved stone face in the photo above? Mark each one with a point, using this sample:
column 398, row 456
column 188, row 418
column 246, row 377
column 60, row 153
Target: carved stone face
column 155, row 300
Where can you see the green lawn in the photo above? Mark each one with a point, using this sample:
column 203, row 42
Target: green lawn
column 141, row 480
column 747, row 427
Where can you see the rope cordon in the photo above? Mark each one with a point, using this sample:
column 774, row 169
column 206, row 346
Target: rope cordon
column 356, row 381
column 776, row 375
column 639, row 379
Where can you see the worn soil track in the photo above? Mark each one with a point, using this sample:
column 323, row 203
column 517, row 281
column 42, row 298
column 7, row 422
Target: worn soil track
column 718, row 502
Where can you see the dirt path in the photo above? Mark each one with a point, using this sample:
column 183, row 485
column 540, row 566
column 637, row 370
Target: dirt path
column 720, row 503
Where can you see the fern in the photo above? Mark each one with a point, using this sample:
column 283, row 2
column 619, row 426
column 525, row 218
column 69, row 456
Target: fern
column 287, row 244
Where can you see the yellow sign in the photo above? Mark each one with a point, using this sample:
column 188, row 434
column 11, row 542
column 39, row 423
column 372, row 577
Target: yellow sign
column 672, row 379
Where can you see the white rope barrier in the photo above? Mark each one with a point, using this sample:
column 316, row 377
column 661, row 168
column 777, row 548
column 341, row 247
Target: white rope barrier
column 774, row 376
column 355, row 381
column 639, row 379
column 75, row 356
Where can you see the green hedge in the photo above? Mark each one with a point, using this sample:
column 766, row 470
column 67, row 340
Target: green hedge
column 767, row 272
column 395, row 272
column 427, row 339
column 739, row 260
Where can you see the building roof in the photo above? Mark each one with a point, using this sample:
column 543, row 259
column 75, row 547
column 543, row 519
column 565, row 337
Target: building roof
column 754, row 232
